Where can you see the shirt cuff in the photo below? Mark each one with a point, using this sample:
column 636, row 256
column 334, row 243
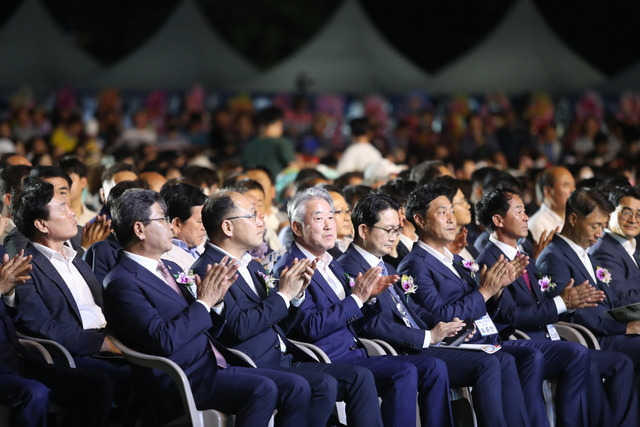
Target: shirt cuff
column 560, row 306
column 357, row 300
column 286, row 301
column 427, row 339
column 209, row 308
column 297, row 302
column 9, row 300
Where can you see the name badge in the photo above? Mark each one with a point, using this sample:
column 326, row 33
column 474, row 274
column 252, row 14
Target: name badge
column 485, row 326
column 553, row 332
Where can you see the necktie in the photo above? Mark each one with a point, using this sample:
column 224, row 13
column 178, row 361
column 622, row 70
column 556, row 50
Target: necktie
column 525, row 276
column 408, row 320
column 168, row 277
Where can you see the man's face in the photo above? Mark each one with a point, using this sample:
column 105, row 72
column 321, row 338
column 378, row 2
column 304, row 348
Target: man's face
column 377, row 239
column 77, row 185
column 247, row 232
column 60, row 186
column 515, row 223
column 318, row 231
column 440, row 221
column 258, row 197
column 158, row 233
column 61, row 224
column 192, row 231
column 562, row 188
column 461, row 209
column 589, row 229
column 262, row 177
column 344, row 226
column 624, row 221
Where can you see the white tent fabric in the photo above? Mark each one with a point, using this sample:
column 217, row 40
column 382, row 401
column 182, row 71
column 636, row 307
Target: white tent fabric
column 35, row 52
column 347, row 55
column 185, row 51
column 628, row 79
column 522, row 53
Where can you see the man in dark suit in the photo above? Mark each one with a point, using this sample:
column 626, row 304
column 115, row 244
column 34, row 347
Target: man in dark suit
column 27, row 384
column 258, row 317
column 411, row 330
column 149, row 312
column 616, row 250
column 447, row 289
column 332, row 312
column 566, row 258
column 527, row 306
column 62, row 301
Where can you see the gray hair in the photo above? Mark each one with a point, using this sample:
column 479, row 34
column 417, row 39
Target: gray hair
column 297, row 206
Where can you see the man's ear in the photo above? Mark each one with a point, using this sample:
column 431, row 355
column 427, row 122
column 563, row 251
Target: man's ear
column 296, row 227
column 6, row 199
column 420, row 221
column 227, row 228
column 41, row 226
column 572, row 219
column 138, row 230
column 175, row 224
column 362, row 231
column 498, row 221
column 83, row 182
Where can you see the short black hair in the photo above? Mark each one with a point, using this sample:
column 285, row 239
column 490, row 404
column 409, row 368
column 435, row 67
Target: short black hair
column 419, row 200
column 133, row 206
column 585, row 200
column 263, row 169
column 367, row 210
column 198, row 175
column 71, row 164
column 245, row 185
column 359, row 126
column 180, row 200
column 12, row 177
column 30, row 205
column 46, row 172
column 619, row 192
column 494, row 203
column 268, row 116
column 450, row 182
column 399, row 189
column 119, row 189
column 118, row 167
column 353, row 193
column 344, row 179
column 218, row 206
column 501, row 180
column 426, row 171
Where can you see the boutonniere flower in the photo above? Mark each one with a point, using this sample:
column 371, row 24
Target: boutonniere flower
column 545, row 283
column 351, row 280
column 268, row 281
column 186, row 279
column 408, row 286
column 470, row 265
column 603, row 275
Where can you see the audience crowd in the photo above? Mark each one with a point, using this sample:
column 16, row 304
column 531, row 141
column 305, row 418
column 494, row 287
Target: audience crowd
column 469, row 236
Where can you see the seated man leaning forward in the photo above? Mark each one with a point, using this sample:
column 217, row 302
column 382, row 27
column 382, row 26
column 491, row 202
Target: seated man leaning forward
column 332, row 313
column 150, row 313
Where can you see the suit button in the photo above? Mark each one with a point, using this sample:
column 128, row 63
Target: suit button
column 546, row 335
column 352, row 348
column 277, row 346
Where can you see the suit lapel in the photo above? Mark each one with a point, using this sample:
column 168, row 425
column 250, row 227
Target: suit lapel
column 151, row 280
column 257, row 282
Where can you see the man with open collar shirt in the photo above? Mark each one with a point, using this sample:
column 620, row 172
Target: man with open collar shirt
column 411, row 329
column 617, row 249
column 259, row 312
column 333, row 311
column 567, row 258
column 527, row 306
column 447, row 288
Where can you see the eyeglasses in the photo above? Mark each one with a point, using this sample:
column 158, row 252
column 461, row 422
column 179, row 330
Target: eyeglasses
column 628, row 214
column 346, row 212
column 391, row 232
column 254, row 215
column 165, row 219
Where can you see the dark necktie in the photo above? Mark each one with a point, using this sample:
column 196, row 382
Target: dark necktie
column 408, row 320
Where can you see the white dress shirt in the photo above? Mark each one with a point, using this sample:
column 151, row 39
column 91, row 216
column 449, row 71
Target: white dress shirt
column 446, row 258
column 544, row 220
column 628, row 245
column 584, row 257
column 90, row 313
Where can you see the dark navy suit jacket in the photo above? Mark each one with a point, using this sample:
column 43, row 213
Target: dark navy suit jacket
column 15, row 241
column 149, row 316
column 47, row 308
column 560, row 261
column 527, row 310
column 253, row 322
column 625, row 274
column 325, row 320
column 102, row 256
column 388, row 324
